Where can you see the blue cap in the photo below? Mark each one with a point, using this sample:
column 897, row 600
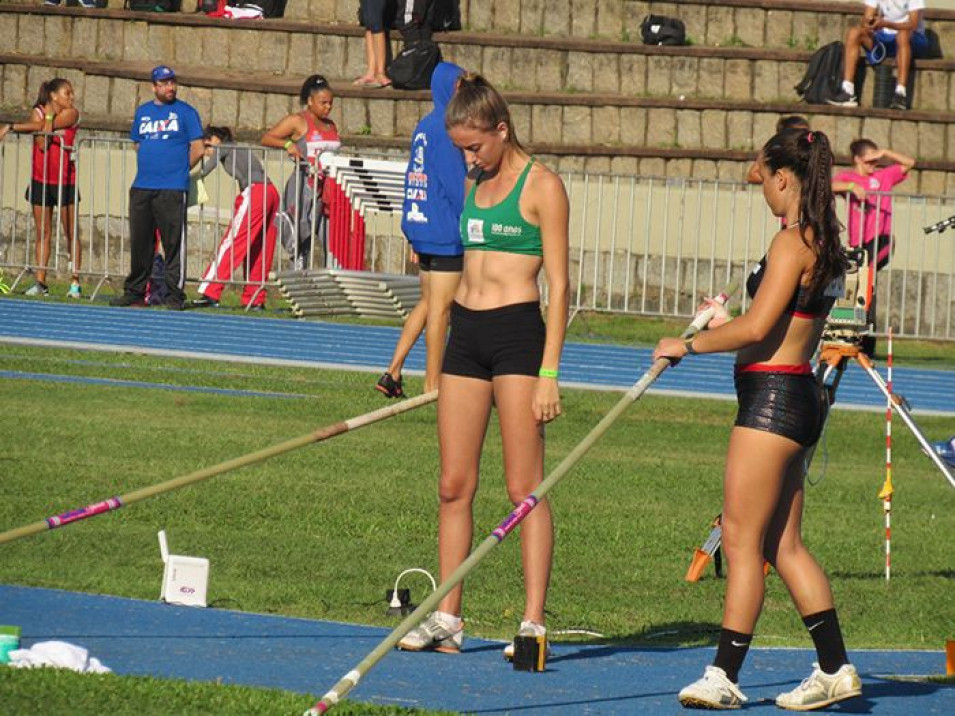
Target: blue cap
column 163, row 72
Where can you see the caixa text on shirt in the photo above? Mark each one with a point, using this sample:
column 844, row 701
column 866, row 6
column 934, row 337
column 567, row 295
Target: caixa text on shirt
column 159, row 126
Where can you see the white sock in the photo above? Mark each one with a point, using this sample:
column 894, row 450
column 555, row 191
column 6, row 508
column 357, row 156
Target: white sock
column 900, row 89
column 849, row 87
column 451, row 621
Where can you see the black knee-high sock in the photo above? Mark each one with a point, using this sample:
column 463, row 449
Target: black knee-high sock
column 827, row 636
column 731, row 652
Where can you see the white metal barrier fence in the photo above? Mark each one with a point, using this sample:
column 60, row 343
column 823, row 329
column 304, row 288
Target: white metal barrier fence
column 639, row 245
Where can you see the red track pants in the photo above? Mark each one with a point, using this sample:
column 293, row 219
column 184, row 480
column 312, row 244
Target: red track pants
column 242, row 245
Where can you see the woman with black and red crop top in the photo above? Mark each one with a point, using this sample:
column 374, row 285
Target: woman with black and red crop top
column 501, row 351
column 54, row 122
column 780, row 416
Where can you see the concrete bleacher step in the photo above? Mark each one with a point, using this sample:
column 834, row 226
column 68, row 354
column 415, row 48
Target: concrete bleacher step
column 325, row 292
column 708, row 138
column 593, row 104
column 754, row 23
column 539, row 64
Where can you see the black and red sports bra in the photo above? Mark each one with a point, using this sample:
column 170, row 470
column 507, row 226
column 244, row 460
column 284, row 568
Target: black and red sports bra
column 803, row 304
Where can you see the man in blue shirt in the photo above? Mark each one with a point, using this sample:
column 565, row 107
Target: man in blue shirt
column 168, row 137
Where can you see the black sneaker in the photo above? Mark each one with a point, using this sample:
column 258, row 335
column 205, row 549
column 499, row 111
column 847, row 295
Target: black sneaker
column 204, row 302
column 843, row 99
column 174, row 305
column 899, row 101
column 389, row 386
column 127, row 299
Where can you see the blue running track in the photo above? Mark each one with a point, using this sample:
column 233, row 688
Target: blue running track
column 150, row 638
column 206, row 334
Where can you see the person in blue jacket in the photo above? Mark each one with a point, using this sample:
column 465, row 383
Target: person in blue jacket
column 434, row 197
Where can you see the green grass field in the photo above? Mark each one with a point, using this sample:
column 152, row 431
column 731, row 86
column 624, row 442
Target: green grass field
column 322, row 532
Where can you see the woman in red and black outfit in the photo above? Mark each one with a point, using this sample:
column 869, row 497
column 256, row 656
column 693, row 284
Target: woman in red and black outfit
column 306, row 135
column 780, row 417
column 53, row 180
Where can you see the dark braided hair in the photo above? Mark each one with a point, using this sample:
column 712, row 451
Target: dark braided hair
column 808, row 155
column 312, row 84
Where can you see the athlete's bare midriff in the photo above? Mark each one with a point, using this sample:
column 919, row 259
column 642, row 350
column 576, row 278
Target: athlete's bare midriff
column 492, row 279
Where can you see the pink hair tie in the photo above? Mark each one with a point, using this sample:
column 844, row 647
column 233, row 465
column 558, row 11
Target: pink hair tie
column 809, row 137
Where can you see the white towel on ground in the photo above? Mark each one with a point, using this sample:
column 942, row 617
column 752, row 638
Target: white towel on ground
column 58, row 654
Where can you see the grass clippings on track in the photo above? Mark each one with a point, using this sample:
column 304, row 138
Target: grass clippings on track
column 351, row 513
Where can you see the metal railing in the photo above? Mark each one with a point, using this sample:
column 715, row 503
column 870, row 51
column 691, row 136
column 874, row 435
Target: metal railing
column 639, row 245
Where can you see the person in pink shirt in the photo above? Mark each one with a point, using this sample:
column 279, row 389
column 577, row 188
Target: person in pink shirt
column 868, row 188
column 870, row 217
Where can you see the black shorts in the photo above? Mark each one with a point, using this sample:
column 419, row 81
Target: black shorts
column 782, row 403
column 371, row 14
column 433, row 262
column 40, row 194
column 501, row 341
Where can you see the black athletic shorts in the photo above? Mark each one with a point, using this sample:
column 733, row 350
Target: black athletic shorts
column 40, row 194
column 783, row 403
column 433, row 262
column 501, row 341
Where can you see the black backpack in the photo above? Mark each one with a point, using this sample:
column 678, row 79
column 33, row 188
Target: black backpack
column 823, row 77
column 412, row 67
column 153, row 5
column 661, row 30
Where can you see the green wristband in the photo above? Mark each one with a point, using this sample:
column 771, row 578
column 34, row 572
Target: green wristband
column 547, row 373
column 288, row 143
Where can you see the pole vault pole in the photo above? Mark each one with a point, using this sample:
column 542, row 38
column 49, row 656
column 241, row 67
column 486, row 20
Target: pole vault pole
column 351, row 679
column 114, row 503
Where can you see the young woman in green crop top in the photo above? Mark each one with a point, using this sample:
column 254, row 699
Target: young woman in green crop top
column 500, row 352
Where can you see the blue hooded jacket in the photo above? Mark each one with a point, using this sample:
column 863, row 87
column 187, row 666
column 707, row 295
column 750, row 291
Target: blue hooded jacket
column 434, row 180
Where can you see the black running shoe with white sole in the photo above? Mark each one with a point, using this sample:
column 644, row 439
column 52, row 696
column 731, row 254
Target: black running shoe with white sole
column 843, row 99
column 899, row 101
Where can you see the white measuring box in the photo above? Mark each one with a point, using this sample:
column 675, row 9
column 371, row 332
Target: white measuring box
column 185, row 579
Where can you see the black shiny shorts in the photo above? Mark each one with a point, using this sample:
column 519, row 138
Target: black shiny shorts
column 501, row 341
column 785, row 404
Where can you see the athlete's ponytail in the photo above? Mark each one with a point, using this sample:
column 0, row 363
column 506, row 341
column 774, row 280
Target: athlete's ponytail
column 47, row 89
column 808, row 155
column 478, row 105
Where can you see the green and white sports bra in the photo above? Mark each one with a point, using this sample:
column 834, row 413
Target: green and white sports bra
column 500, row 227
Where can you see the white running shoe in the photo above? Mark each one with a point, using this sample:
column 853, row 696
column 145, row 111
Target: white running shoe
column 821, row 689
column 37, row 289
column 433, row 634
column 713, row 691
column 528, row 629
